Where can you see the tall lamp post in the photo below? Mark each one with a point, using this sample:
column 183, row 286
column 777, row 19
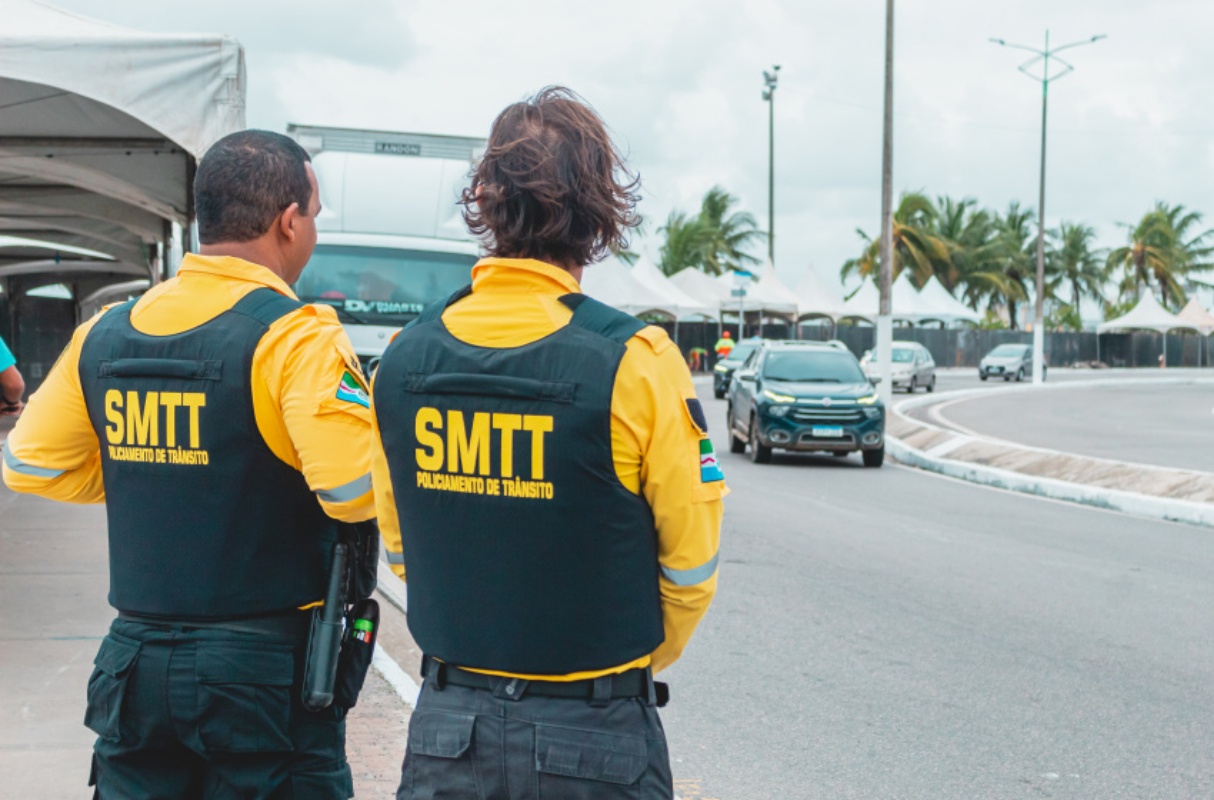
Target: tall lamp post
column 1044, row 79
column 885, row 323
column 769, row 95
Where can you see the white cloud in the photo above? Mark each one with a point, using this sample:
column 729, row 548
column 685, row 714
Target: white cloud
column 679, row 83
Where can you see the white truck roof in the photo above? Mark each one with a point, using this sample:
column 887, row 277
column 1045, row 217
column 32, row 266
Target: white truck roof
column 390, row 182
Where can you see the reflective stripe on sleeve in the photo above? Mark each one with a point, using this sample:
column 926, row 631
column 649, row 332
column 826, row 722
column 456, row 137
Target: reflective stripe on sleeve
column 395, row 558
column 347, row 492
column 19, row 466
column 690, row 577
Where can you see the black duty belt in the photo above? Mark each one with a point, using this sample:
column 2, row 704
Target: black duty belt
column 283, row 623
column 634, row 683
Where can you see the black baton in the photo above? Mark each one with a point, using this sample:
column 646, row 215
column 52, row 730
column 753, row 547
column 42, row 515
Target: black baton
column 324, row 643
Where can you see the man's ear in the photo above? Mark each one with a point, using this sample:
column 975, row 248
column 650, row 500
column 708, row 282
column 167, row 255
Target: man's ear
column 286, row 221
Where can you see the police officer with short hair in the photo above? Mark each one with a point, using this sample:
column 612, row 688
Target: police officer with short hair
column 226, row 427
column 546, row 485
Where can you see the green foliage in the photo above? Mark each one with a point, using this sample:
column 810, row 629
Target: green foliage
column 916, row 245
column 717, row 240
column 1063, row 317
column 1113, row 310
column 1072, row 263
column 991, row 321
column 1162, row 249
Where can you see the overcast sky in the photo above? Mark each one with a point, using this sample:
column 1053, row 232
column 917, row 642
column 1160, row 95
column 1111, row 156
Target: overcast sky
column 679, row 83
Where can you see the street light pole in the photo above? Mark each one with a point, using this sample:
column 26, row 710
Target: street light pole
column 769, row 94
column 885, row 324
column 1044, row 57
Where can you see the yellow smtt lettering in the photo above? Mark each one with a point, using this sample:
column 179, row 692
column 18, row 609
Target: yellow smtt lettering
column 468, row 451
column 171, row 401
column 425, row 427
column 143, row 427
column 194, row 401
column 507, row 424
column 115, row 432
column 538, row 427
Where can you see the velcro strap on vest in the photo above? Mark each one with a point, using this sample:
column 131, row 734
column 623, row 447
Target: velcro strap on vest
column 161, row 368
column 265, row 305
column 484, row 385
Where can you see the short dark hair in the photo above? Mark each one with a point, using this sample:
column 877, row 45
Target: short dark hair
column 244, row 181
column 551, row 185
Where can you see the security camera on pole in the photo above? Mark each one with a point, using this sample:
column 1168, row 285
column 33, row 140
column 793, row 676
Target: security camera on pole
column 1044, row 79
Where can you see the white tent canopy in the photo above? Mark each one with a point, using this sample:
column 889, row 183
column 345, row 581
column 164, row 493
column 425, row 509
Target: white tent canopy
column 705, row 290
column 612, row 282
column 905, row 302
column 765, row 293
column 103, row 126
column 816, row 296
column 1147, row 315
column 1196, row 315
column 943, row 306
column 684, row 305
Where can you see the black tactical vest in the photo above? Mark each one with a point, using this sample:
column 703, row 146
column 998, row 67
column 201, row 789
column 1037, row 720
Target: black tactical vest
column 205, row 522
column 523, row 551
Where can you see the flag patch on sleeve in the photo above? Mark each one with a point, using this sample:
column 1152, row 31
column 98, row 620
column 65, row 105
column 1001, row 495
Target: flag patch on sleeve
column 352, row 391
column 710, row 470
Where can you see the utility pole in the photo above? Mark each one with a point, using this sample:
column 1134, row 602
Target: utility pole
column 1044, row 57
column 769, row 94
column 885, row 323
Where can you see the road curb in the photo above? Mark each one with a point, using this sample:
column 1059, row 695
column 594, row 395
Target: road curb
column 1134, row 503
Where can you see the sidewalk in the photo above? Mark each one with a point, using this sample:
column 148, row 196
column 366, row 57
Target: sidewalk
column 53, row 614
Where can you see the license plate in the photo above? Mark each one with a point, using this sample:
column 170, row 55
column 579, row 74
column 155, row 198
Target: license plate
column 827, row 432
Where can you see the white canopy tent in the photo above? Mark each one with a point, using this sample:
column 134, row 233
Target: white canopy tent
column 705, row 290
column 906, row 305
column 816, row 297
column 102, row 129
column 943, row 306
column 611, row 282
column 1196, row 314
column 1147, row 315
column 684, row 305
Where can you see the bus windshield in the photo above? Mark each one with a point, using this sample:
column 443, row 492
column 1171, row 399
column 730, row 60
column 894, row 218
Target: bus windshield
column 378, row 285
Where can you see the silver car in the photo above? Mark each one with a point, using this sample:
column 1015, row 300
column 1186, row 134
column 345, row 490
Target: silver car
column 1010, row 362
column 912, row 367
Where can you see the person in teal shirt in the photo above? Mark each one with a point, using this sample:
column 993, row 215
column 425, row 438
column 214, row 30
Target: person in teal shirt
column 12, row 385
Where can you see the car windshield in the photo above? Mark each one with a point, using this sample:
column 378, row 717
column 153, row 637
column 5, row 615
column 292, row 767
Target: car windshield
column 902, row 355
column 379, row 285
column 1009, row 350
column 739, row 354
column 813, row 366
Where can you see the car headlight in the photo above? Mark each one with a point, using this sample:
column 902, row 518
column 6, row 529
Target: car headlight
column 720, row 368
column 776, row 397
column 869, row 400
column 873, row 412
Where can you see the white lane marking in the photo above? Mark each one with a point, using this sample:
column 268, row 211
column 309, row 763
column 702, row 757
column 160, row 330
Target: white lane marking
column 405, row 687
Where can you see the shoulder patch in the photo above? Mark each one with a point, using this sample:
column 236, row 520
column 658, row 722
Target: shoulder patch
column 710, row 470
column 350, row 389
column 697, row 415
column 655, row 337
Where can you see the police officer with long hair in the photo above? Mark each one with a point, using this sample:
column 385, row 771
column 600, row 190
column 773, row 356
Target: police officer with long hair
column 546, row 486
column 226, row 427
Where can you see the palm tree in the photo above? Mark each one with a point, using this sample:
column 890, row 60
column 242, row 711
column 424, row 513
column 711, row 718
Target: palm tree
column 683, row 245
column 1071, row 261
column 1011, row 259
column 726, row 235
column 1161, row 250
column 970, row 234
column 916, row 245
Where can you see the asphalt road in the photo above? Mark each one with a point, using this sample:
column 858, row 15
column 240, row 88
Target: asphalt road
column 1145, row 424
column 889, row 634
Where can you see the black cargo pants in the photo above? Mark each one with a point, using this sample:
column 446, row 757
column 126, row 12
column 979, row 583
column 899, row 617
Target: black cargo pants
column 505, row 743
column 183, row 713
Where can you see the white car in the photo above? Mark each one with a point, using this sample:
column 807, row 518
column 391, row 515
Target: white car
column 912, row 367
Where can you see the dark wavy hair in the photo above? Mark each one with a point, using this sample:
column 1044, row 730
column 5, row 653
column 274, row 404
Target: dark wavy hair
column 551, row 186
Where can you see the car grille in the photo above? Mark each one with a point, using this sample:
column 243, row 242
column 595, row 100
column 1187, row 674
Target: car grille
column 835, row 415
